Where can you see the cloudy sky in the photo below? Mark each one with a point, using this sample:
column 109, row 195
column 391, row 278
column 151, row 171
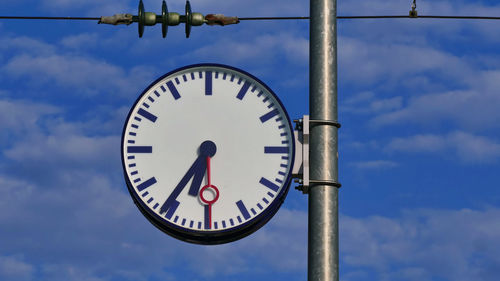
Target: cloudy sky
column 419, row 146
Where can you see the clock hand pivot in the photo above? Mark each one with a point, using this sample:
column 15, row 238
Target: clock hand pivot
column 208, row 148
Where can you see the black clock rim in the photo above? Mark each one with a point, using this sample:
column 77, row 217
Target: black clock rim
column 210, row 237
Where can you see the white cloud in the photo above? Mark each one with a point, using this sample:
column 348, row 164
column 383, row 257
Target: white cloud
column 265, row 47
column 276, row 247
column 90, row 219
column 418, row 143
column 20, row 116
column 14, row 269
column 95, row 221
column 81, row 41
column 74, row 73
column 475, row 109
column 70, row 151
column 394, row 62
column 26, row 44
column 469, row 148
column 374, row 165
column 438, row 244
column 407, row 59
column 65, row 65
column 367, row 103
column 82, row 213
column 93, row 8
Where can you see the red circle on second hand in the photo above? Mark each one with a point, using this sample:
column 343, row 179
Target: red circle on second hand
column 209, row 202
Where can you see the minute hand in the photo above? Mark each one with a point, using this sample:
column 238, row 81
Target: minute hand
column 196, row 171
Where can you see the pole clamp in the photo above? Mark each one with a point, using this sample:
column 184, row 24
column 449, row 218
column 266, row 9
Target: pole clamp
column 301, row 165
column 313, row 123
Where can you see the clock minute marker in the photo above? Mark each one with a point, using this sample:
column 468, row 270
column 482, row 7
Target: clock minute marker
column 146, row 184
column 269, row 184
column 173, row 90
column 208, row 83
column 146, row 114
column 243, row 209
column 276, row 149
column 170, row 209
column 139, row 149
column 269, row 115
column 207, row 216
column 243, row 91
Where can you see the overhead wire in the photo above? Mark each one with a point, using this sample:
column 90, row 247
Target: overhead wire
column 413, row 14
column 47, row 18
column 377, row 17
column 277, row 18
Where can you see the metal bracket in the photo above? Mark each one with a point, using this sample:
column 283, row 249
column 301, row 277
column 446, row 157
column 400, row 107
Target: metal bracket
column 300, row 170
column 301, row 166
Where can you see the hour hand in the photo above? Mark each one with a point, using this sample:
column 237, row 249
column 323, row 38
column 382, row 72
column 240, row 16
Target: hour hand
column 207, row 149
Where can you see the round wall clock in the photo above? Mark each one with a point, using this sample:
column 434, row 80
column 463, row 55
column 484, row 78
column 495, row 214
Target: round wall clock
column 207, row 152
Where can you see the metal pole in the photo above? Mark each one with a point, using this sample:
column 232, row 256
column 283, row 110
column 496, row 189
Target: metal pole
column 323, row 249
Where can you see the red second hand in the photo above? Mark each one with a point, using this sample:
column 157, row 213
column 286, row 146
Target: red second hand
column 209, row 185
column 208, row 170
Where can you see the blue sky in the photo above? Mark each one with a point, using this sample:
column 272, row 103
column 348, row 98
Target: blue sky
column 419, row 146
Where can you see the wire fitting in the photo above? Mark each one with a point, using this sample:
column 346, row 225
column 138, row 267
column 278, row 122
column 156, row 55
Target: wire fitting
column 413, row 11
column 117, row 19
column 219, row 19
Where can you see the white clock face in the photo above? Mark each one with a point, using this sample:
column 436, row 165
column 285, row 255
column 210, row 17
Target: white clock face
column 207, row 152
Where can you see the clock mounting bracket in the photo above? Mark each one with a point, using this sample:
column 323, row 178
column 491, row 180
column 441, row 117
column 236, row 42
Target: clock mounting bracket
column 300, row 171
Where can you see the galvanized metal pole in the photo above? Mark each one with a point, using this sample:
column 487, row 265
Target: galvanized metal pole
column 323, row 251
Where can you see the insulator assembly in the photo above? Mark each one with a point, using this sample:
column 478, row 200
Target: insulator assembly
column 167, row 19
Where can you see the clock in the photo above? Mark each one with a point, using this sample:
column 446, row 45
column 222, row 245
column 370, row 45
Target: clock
column 207, row 152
